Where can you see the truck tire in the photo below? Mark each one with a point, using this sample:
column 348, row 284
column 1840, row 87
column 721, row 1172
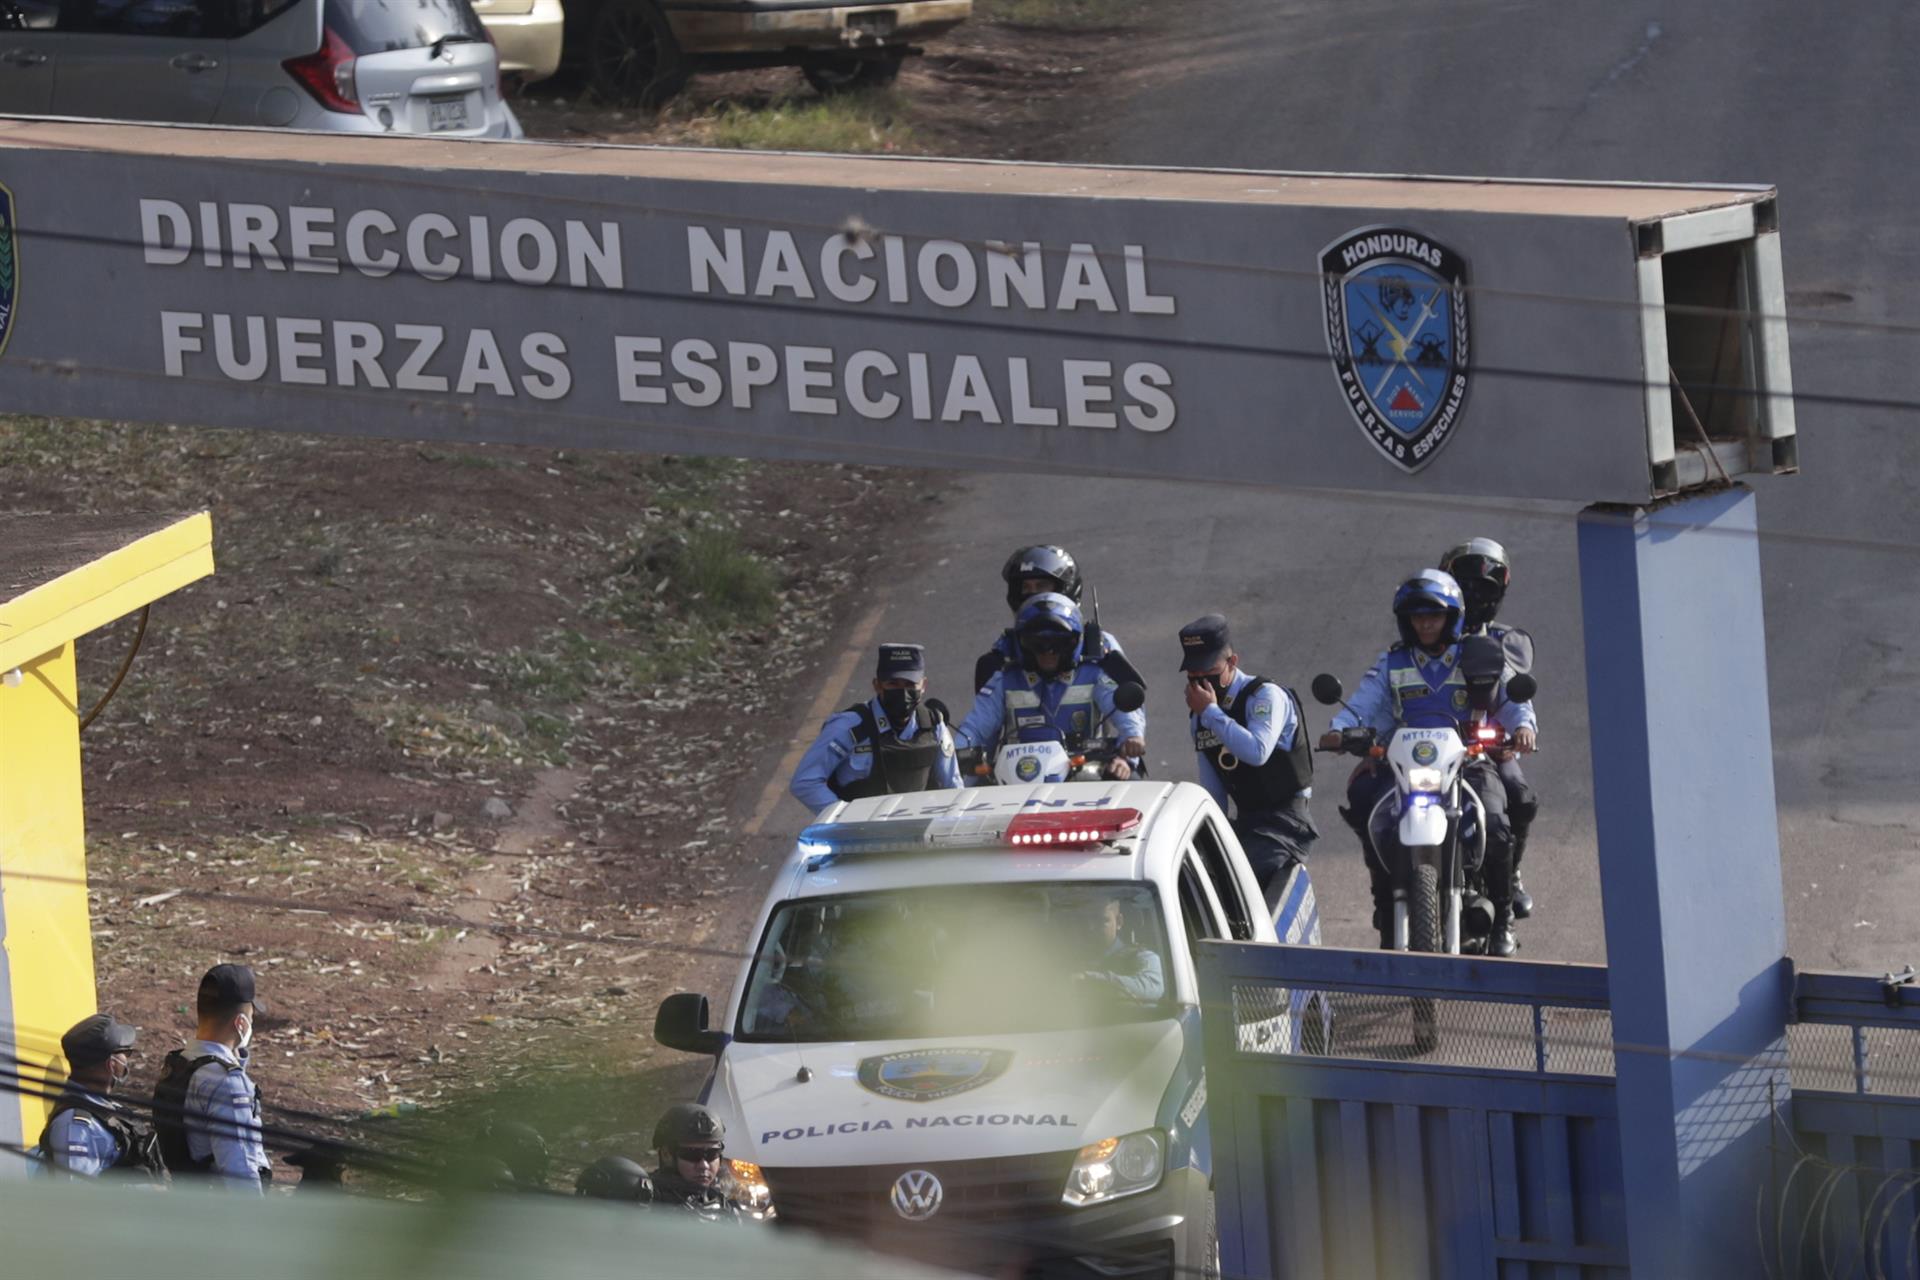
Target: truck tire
column 632, row 59
column 1423, row 934
column 848, row 74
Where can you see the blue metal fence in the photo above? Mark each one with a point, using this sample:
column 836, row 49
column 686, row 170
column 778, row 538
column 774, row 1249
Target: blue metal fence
column 1460, row 1124
column 1846, row 1201
column 1462, row 1121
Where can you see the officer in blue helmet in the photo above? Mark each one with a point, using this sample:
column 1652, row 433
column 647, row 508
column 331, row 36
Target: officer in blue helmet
column 1418, row 682
column 1056, row 693
column 1035, row 570
column 896, row 741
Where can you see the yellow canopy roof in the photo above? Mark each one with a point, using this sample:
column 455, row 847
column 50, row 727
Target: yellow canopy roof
column 62, row 576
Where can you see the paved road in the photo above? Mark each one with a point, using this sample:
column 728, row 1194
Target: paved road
column 1713, row 90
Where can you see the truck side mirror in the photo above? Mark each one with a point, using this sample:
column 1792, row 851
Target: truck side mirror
column 682, row 1024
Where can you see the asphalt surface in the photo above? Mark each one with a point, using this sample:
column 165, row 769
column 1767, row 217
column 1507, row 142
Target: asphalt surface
column 1713, row 90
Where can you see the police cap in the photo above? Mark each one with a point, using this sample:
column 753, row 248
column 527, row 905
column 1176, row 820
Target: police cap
column 901, row 662
column 226, row 986
column 93, row 1040
column 1203, row 642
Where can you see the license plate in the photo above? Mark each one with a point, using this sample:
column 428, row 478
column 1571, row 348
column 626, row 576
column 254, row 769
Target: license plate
column 446, row 113
column 879, row 22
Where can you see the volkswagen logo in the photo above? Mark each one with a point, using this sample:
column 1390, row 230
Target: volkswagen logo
column 916, row 1195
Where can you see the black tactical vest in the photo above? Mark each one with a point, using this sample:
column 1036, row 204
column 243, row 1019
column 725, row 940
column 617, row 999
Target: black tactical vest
column 139, row 1150
column 1260, row 788
column 170, row 1110
column 898, row 767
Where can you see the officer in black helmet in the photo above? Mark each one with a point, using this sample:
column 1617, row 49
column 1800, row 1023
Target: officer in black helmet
column 615, row 1178
column 1484, row 571
column 1028, row 572
column 690, row 1142
column 88, row 1133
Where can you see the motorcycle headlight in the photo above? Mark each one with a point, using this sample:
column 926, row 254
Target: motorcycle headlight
column 746, row 1185
column 1115, row 1167
column 1423, row 779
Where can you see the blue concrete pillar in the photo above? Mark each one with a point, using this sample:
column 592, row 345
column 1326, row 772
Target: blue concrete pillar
column 1689, row 871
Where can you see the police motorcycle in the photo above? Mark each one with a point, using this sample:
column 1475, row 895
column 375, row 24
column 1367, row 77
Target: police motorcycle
column 1075, row 758
column 1434, row 864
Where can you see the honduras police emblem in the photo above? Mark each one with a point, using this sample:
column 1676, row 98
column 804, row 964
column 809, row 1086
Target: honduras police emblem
column 1396, row 307
column 927, row 1075
column 9, row 267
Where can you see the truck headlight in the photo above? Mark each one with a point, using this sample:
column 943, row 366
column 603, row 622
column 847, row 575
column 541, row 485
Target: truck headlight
column 1115, row 1167
column 1423, row 779
column 747, row 1186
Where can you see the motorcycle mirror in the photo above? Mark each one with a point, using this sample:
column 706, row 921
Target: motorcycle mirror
column 1522, row 688
column 1129, row 697
column 1326, row 689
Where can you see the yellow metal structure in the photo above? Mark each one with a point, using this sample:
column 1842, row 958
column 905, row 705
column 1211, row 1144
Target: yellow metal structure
column 60, row 578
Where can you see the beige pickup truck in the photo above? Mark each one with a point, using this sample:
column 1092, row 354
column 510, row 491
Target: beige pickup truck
column 640, row 52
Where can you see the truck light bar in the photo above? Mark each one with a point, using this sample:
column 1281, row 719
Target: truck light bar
column 825, row 843
column 1071, row 830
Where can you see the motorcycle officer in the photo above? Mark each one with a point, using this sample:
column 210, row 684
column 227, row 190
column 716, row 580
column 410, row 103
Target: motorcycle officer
column 1251, row 738
column 1418, row 682
column 1481, row 567
column 1028, row 572
column 897, row 741
column 690, row 1142
column 1056, row 690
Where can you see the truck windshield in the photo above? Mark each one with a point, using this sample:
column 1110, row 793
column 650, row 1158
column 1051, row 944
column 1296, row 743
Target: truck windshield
column 958, row 960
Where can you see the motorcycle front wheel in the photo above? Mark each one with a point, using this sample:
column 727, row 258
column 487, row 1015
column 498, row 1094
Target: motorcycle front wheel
column 1423, row 934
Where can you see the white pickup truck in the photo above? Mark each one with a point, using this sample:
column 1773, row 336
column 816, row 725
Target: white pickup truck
column 969, row 1030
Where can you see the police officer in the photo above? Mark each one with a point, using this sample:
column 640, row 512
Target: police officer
column 690, row 1142
column 1418, row 682
column 1251, row 739
column 1055, row 693
column 1028, row 572
column 1481, row 567
column 88, row 1133
column 206, row 1108
column 895, row 742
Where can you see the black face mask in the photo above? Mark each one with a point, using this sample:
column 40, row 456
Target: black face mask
column 899, row 704
column 1218, row 684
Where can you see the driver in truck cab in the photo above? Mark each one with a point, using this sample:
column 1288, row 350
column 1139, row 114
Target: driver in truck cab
column 1418, row 682
column 1055, row 693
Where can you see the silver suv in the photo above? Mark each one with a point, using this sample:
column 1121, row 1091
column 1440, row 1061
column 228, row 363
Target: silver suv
column 355, row 66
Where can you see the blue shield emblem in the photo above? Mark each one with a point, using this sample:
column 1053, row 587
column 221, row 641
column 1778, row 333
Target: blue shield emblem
column 9, row 267
column 927, row 1075
column 1396, row 309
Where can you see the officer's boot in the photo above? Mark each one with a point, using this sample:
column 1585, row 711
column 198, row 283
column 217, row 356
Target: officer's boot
column 1522, row 900
column 1501, row 941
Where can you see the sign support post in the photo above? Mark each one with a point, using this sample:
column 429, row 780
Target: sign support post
column 1689, row 871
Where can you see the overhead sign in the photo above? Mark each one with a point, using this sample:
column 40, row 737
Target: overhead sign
column 1219, row 326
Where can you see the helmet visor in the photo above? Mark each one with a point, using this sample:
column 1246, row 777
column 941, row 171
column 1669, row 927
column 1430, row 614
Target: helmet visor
column 1060, row 644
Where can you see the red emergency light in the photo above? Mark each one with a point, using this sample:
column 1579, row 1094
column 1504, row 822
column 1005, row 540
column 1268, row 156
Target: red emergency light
column 1079, row 830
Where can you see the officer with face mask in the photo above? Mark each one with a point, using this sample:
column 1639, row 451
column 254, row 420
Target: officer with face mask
column 89, row 1133
column 1250, row 736
column 206, row 1110
column 895, row 742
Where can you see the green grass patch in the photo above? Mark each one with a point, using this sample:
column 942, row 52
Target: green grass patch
column 1063, row 15
column 851, row 122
